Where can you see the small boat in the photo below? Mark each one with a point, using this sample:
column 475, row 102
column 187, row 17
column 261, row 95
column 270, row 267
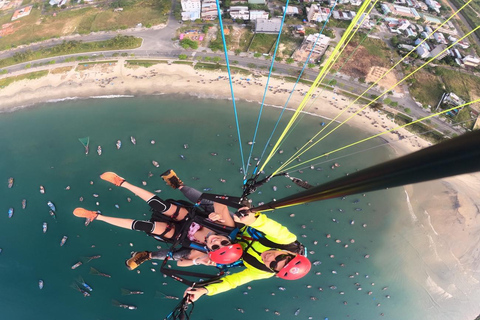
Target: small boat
column 250, row 143
column 207, row 189
column 84, row 284
column 118, row 144
column 76, row 265
column 274, row 188
column 64, row 239
column 42, row 190
column 124, row 306
column 76, row 287
column 24, row 203
column 213, row 153
column 280, row 151
column 126, row 292
column 10, row 212
column 10, row 182
column 52, row 213
column 185, row 146
column 155, row 163
column 51, row 206
column 297, row 312
column 282, row 288
column 223, row 180
column 99, row 150
column 85, row 142
column 182, row 157
column 152, row 142
column 322, row 123
column 40, row 284
column 44, row 227
column 132, row 138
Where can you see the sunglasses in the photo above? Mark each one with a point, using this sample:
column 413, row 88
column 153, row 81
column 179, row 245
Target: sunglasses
column 287, row 257
column 223, row 243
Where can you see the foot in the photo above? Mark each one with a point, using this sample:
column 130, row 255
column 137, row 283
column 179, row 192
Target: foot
column 112, row 177
column 170, row 177
column 137, row 259
column 84, row 213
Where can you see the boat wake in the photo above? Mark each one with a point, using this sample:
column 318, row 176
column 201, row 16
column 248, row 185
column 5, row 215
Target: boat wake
column 410, row 208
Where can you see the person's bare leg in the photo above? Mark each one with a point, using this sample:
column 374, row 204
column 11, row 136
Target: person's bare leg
column 127, row 224
column 142, row 193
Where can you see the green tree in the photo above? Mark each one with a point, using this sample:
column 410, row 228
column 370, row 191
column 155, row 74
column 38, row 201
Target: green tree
column 289, row 60
column 187, row 43
column 182, row 57
column 257, row 54
column 407, row 110
column 278, row 59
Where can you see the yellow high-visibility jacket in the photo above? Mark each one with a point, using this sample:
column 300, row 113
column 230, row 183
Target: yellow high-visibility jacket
column 275, row 232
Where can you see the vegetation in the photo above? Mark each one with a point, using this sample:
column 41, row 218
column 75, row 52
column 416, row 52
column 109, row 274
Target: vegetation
column 38, row 27
column 187, row 43
column 144, row 63
column 72, row 47
column 31, row 76
column 263, row 42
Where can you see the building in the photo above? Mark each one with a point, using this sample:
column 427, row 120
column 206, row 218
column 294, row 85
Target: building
column 57, row 2
column 191, row 9
column 428, row 19
column 452, row 99
column 440, row 38
column 343, row 15
column 317, row 14
column 268, row 26
column 471, row 61
column 23, row 12
column 209, row 10
column 239, row 12
column 434, row 5
column 423, row 51
column 406, row 47
column 258, row 14
column 410, row 33
column 405, row 12
column 291, row 10
column 440, row 51
column 385, row 8
column 191, row 5
column 356, row 2
column 314, row 45
column 256, row 1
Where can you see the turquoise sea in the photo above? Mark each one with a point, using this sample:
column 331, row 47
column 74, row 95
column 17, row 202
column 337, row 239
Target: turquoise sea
column 40, row 147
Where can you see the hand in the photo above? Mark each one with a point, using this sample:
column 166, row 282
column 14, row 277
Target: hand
column 215, row 217
column 206, row 261
column 246, row 218
column 195, row 293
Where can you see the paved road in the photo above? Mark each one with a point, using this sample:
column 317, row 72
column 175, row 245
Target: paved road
column 157, row 43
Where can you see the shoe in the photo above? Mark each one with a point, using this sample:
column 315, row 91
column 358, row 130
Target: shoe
column 84, row 213
column 137, row 259
column 112, row 177
column 170, row 177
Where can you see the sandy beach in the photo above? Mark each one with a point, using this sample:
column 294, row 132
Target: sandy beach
column 445, row 212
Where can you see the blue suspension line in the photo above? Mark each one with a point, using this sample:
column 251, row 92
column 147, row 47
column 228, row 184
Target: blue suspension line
column 231, row 87
column 294, row 86
column 265, row 92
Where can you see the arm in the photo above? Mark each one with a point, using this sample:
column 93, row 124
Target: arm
column 272, row 229
column 221, row 215
column 195, row 258
column 229, row 282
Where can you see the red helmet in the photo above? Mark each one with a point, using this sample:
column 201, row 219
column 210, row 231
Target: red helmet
column 227, row 254
column 295, row 269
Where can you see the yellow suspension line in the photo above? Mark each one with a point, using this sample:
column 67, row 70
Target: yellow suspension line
column 297, row 154
column 274, row 150
column 384, row 132
column 314, row 85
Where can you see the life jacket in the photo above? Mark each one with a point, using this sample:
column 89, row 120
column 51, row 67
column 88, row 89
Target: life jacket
column 255, row 235
column 195, row 214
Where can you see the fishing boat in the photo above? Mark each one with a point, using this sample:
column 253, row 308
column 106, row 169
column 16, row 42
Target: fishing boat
column 118, row 144
column 297, row 312
column 182, row 157
column 152, row 142
column 10, row 182
column 99, row 150
column 10, row 212
column 213, row 153
column 274, row 188
column 84, row 284
column 132, row 138
column 123, row 305
column 42, row 190
column 185, row 146
column 44, row 227
column 76, row 265
column 52, row 213
column 64, row 239
column 40, row 284
column 51, row 206
column 155, row 163
column 24, row 203
column 85, row 142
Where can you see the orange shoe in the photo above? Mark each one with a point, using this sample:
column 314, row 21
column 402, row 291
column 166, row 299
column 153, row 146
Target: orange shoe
column 112, row 177
column 170, row 177
column 84, row 213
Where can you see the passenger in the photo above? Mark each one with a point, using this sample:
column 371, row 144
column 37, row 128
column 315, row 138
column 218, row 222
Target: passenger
column 167, row 221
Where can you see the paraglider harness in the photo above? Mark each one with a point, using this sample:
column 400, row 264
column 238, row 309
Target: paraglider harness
column 180, row 312
column 180, row 240
column 255, row 235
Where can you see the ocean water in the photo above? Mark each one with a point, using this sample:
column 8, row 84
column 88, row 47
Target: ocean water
column 40, row 147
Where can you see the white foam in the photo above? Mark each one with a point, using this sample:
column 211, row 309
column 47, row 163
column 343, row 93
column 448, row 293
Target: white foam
column 410, row 208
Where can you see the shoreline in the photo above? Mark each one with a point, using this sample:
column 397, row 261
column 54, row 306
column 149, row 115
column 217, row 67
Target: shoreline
column 453, row 227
